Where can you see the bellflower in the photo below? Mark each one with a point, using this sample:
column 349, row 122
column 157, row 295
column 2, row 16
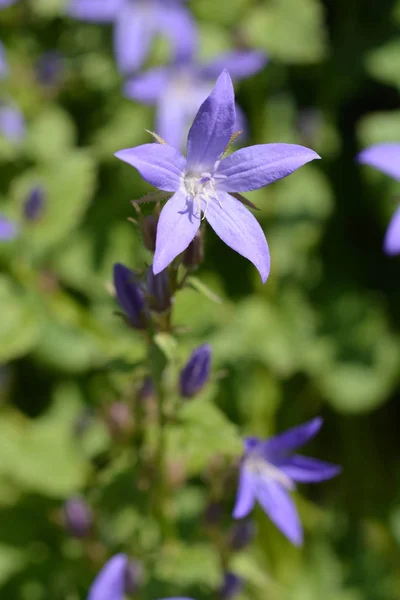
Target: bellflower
column 77, row 517
column 5, row 3
column 386, row 158
column 130, row 296
column 8, row 229
column 196, row 372
column 34, row 204
column 12, row 123
column 136, row 22
column 269, row 471
column 179, row 89
column 207, row 186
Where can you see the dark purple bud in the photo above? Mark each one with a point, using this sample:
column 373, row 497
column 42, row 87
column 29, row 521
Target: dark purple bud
column 133, row 576
column 231, row 586
column 146, row 391
column 50, row 68
column 196, row 372
column 130, row 296
column 158, row 290
column 148, row 227
column 242, row 534
column 213, row 513
column 119, row 418
column 194, row 254
column 77, row 517
column 34, row 204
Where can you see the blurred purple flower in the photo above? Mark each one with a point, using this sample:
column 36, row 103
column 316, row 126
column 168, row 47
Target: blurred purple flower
column 242, row 534
column 8, row 229
column 207, row 184
column 269, row 470
column 196, row 372
column 3, row 63
column 136, row 22
column 110, row 582
column 5, row 3
column 78, row 517
column 12, row 123
column 386, row 158
column 130, row 296
column 178, row 90
column 50, row 68
column 231, row 586
column 34, row 204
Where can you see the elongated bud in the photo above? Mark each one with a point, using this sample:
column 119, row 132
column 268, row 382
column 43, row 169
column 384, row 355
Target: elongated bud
column 148, row 227
column 34, row 204
column 231, row 586
column 130, row 296
column 242, row 534
column 146, row 391
column 77, row 517
column 194, row 254
column 133, row 576
column 158, row 290
column 196, row 372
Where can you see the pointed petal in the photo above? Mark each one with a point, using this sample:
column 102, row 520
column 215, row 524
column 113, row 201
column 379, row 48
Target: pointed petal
column 240, row 230
column 392, row 237
column 384, row 157
column 253, row 167
column 147, row 87
column 245, row 498
column 133, row 31
column 176, row 228
column 97, row 11
column 212, row 127
column 281, row 509
column 293, row 438
column 160, row 165
column 172, row 119
column 176, row 23
column 308, row 470
column 110, row 582
column 239, row 63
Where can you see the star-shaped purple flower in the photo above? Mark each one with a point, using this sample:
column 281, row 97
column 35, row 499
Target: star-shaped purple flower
column 136, row 22
column 179, row 89
column 269, row 471
column 386, row 158
column 206, row 186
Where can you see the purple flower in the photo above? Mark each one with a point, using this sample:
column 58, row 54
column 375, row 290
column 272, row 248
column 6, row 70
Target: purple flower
column 8, row 229
column 242, row 534
column 178, row 90
column 207, row 184
column 34, row 204
column 386, row 158
column 130, row 296
column 136, row 22
column 50, row 68
column 12, row 123
column 78, row 517
column 269, row 471
column 5, row 3
column 196, row 372
column 231, row 586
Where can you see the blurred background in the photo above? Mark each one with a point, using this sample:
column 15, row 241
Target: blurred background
column 321, row 337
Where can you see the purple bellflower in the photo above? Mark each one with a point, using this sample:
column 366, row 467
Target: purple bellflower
column 196, row 372
column 136, row 22
column 34, row 204
column 5, row 3
column 12, row 123
column 130, row 296
column 178, row 90
column 8, row 229
column 386, row 158
column 207, row 186
column 269, row 471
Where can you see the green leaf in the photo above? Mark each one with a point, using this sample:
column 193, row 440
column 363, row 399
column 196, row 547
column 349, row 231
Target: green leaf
column 384, row 63
column 201, row 287
column 50, row 135
column 185, row 565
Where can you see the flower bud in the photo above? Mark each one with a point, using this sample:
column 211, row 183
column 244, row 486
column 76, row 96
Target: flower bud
column 119, row 418
column 194, row 254
column 34, row 204
column 50, row 68
column 148, row 226
column 242, row 534
column 231, row 586
column 146, row 390
column 196, row 372
column 77, row 517
column 158, row 290
column 133, row 576
column 130, row 296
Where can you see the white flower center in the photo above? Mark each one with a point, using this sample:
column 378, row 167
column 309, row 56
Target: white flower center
column 201, row 188
column 266, row 470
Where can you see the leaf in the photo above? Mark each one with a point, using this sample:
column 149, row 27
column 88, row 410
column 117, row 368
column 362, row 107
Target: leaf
column 51, row 135
column 186, row 565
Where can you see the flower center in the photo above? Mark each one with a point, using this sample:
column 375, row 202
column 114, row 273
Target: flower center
column 201, row 188
column 266, row 470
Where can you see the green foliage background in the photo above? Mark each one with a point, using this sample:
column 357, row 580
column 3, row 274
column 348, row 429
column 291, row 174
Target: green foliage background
column 321, row 337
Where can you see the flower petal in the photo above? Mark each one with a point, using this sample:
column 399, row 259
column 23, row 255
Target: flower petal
column 281, row 509
column 133, row 31
column 98, row 11
column 176, row 23
column 253, row 167
column 8, row 229
column 176, row 228
column 212, row 127
column 384, row 157
column 292, row 438
column 392, row 237
column 160, row 165
column 147, row 87
column 308, row 470
column 12, row 123
column 110, row 582
column 245, row 497
column 240, row 230
column 172, row 119
column 239, row 63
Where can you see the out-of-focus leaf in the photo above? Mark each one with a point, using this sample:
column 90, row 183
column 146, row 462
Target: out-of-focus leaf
column 384, row 63
column 50, row 136
column 185, row 565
